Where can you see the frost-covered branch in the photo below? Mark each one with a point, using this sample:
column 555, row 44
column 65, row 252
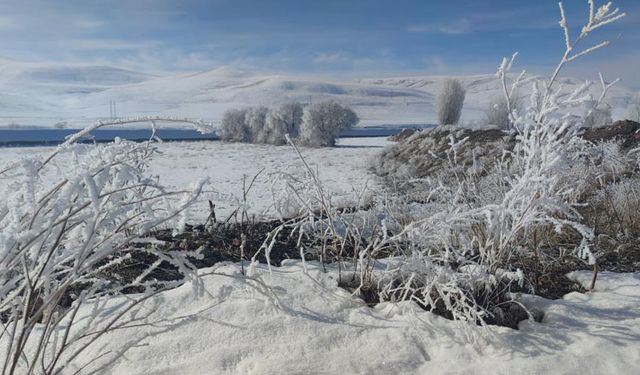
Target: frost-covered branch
column 62, row 245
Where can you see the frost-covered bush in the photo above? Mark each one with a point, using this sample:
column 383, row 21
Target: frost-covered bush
column 281, row 121
column 315, row 126
column 233, row 126
column 615, row 209
column 261, row 124
column 450, row 102
column 498, row 112
column 61, row 239
column 322, row 121
column 487, row 224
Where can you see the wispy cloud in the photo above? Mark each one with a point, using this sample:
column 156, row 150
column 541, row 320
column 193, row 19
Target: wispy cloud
column 460, row 26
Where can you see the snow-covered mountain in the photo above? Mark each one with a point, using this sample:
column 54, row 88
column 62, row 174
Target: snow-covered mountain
column 36, row 94
column 32, row 94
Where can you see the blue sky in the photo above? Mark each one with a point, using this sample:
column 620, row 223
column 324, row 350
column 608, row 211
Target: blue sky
column 323, row 37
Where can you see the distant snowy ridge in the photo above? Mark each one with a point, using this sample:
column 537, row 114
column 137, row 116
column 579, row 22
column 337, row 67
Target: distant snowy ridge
column 481, row 89
column 33, row 94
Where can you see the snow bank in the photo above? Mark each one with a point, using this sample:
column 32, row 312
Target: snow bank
column 307, row 325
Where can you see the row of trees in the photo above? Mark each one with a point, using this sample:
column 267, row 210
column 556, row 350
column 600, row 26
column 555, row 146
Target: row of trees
column 316, row 125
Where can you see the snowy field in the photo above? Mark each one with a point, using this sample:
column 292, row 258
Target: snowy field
column 305, row 324
column 342, row 169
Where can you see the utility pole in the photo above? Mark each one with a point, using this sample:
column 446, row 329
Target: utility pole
column 112, row 110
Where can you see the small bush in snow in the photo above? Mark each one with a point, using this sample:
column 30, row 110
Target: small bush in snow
column 450, row 102
column 322, row 121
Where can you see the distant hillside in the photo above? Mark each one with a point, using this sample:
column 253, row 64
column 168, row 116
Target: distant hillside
column 32, row 94
column 481, row 89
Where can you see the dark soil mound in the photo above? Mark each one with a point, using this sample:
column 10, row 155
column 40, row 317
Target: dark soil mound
column 402, row 135
column 229, row 242
column 626, row 131
column 424, row 152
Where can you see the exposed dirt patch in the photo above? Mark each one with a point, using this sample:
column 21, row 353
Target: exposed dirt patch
column 229, row 242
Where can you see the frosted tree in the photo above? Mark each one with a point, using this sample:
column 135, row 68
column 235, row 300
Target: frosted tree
column 255, row 122
column 283, row 120
column 322, row 121
column 233, row 126
column 450, row 102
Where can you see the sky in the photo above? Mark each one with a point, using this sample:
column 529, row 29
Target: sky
column 340, row 38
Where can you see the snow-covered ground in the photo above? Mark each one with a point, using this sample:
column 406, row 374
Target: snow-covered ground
column 296, row 320
column 305, row 324
column 75, row 96
column 342, row 169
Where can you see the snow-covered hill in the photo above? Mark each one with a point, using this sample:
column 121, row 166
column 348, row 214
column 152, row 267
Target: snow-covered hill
column 32, row 94
column 207, row 94
column 36, row 94
column 481, row 89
